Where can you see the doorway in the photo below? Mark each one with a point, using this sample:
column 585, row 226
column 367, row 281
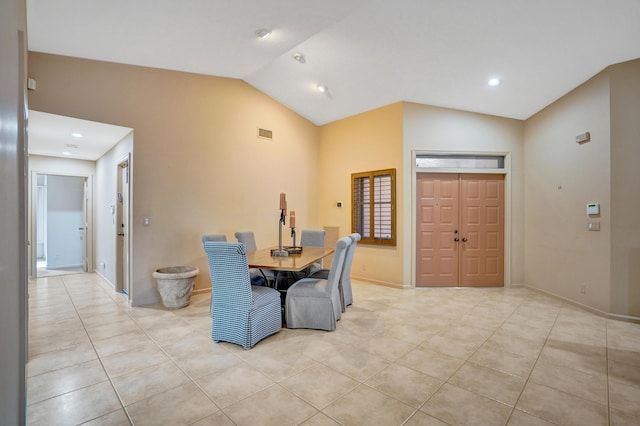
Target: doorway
column 123, row 242
column 460, row 230
column 60, row 224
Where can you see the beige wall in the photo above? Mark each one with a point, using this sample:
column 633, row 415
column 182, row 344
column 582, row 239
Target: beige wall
column 429, row 128
column 365, row 142
column 625, row 192
column 198, row 165
column 105, row 196
column 561, row 177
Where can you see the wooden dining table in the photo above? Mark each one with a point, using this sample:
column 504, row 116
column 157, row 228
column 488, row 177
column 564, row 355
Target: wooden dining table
column 262, row 259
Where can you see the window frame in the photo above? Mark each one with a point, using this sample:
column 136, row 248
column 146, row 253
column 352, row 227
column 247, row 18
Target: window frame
column 358, row 207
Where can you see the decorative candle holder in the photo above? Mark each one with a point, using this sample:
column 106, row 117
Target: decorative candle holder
column 293, row 249
column 280, row 252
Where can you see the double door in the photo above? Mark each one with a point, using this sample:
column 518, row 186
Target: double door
column 460, row 230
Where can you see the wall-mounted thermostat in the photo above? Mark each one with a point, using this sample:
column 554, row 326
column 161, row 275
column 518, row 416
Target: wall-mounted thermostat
column 593, row 208
column 583, row 137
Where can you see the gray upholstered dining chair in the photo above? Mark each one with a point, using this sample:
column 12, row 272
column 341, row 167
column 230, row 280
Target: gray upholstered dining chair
column 242, row 313
column 214, row 237
column 248, row 239
column 312, row 238
column 344, row 286
column 315, row 303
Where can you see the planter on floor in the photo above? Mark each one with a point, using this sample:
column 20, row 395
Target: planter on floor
column 175, row 285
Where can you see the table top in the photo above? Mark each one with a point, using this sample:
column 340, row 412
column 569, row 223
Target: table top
column 294, row 262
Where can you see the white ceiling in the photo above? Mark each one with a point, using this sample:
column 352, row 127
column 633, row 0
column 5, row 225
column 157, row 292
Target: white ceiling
column 51, row 135
column 369, row 53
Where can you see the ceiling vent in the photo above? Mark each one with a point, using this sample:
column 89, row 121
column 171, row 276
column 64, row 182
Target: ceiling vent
column 265, row 134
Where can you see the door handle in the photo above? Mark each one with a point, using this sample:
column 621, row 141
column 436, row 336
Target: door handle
column 121, row 234
column 81, row 229
column 456, row 239
column 464, row 239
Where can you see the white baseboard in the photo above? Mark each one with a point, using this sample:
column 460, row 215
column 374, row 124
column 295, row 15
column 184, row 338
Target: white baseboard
column 619, row 317
column 372, row 281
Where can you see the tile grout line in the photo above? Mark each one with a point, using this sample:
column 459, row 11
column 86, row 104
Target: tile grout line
column 465, row 361
column 98, row 356
column 533, row 368
column 174, row 361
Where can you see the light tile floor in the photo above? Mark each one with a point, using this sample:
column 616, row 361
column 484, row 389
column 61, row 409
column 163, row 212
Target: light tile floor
column 413, row 357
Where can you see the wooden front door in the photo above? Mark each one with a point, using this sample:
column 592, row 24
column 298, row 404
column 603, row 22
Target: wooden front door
column 437, row 222
column 460, row 230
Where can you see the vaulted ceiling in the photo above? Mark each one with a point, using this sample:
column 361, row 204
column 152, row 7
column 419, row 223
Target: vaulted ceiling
column 368, row 53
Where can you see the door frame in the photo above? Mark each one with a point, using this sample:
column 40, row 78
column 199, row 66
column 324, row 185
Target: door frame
column 33, row 257
column 123, row 251
column 507, row 200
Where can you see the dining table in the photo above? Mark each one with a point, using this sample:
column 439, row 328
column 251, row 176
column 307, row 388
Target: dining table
column 262, row 259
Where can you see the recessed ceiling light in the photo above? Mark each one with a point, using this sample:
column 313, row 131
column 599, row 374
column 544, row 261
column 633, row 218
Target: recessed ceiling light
column 322, row 88
column 494, row 82
column 263, row 33
column 299, row 57
column 66, row 153
column 77, row 135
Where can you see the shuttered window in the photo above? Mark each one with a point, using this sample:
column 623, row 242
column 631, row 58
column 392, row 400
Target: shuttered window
column 373, row 196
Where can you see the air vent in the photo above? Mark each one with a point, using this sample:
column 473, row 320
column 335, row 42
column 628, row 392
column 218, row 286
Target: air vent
column 265, row 134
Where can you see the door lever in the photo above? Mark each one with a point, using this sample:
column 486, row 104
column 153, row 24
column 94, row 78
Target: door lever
column 121, row 234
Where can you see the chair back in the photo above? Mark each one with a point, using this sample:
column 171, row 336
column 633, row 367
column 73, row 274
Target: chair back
column 229, row 271
column 248, row 239
column 337, row 264
column 348, row 259
column 214, row 237
column 312, row 237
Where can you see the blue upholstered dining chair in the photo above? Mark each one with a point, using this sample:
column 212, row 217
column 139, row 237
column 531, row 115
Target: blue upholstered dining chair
column 213, row 237
column 315, row 303
column 248, row 239
column 242, row 313
column 344, row 286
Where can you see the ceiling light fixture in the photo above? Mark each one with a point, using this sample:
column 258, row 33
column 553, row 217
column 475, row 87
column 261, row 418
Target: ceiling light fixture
column 66, row 153
column 494, row 82
column 322, row 88
column 299, row 57
column 263, row 33
column 77, row 135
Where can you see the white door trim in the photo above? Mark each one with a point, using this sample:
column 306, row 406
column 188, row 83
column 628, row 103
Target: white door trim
column 32, row 254
column 123, row 255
